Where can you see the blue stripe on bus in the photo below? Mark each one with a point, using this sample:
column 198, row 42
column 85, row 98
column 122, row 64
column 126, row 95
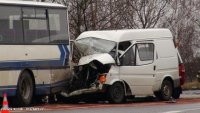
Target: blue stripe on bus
column 30, row 64
column 51, row 63
column 64, row 53
column 41, row 89
column 9, row 90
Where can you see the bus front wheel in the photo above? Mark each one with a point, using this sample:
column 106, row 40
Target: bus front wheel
column 24, row 89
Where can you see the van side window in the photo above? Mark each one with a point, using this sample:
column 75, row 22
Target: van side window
column 145, row 53
column 123, row 46
column 128, row 59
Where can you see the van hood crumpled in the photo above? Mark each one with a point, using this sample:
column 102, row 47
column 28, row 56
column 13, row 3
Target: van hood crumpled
column 84, row 54
column 104, row 58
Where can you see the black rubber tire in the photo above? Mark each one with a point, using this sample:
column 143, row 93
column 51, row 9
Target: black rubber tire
column 25, row 89
column 176, row 93
column 116, row 93
column 166, row 90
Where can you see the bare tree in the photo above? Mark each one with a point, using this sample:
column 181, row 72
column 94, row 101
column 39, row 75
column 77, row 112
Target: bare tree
column 87, row 15
column 145, row 13
column 180, row 16
column 182, row 21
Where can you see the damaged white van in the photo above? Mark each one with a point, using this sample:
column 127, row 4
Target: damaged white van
column 123, row 63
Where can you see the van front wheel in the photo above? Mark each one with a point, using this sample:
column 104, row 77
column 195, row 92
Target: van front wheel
column 116, row 93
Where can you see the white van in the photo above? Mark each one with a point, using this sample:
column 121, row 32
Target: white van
column 122, row 63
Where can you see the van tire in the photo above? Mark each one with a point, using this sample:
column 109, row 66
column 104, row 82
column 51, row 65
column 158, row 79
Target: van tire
column 116, row 93
column 166, row 90
column 25, row 89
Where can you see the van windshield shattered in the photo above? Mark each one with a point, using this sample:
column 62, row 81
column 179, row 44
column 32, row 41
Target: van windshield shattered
column 93, row 45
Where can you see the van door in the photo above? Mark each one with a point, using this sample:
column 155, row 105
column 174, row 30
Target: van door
column 138, row 68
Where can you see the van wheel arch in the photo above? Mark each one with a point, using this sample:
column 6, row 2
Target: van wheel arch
column 127, row 88
column 169, row 79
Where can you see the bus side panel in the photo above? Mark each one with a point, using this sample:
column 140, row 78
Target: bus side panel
column 42, row 81
column 59, row 79
column 12, row 56
column 50, row 67
column 47, row 62
column 8, row 82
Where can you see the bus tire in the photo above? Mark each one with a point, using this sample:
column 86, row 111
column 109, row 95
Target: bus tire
column 25, row 89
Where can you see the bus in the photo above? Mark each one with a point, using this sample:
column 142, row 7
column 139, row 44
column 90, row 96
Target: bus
column 34, row 49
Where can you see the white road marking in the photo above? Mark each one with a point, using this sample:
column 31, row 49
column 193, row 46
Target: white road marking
column 182, row 110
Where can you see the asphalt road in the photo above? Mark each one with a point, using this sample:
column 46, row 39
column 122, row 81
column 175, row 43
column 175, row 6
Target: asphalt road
column 172, row 108
column 189, row 103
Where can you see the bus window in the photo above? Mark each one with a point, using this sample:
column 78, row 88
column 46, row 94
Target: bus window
column 35, row 26
column 40, row 13
column 58, row 26
column 10, row 25
column 28, row 12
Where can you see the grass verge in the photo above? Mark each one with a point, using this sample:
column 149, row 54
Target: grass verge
column 191, row 85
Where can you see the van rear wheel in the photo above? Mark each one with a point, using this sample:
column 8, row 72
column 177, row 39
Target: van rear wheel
column 166, row 90
column 25, row 89
column 116, row 93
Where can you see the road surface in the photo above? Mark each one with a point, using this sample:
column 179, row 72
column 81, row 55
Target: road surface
column 189, row 103
column 186, row 108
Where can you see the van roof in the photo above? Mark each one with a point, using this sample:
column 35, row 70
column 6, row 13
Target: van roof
column 30, row 3
column 130, row 34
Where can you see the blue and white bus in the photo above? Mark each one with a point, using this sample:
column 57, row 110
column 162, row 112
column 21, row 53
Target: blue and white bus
column 34, row 52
